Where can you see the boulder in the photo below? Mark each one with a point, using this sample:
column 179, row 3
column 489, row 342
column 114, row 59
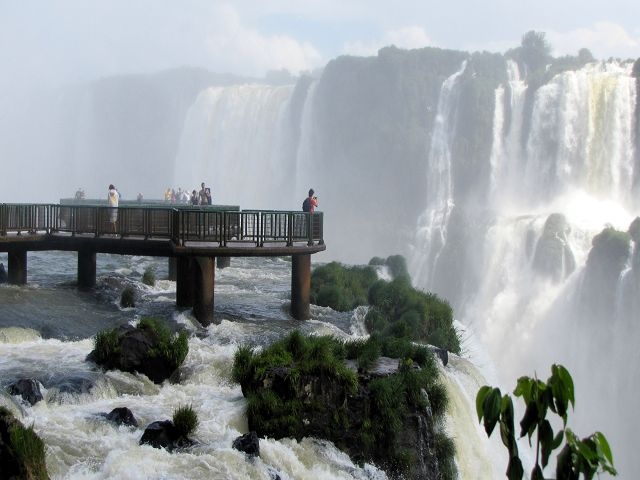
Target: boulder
column 122, row 416
column 163, row 434
column 553, row 256
column 12, row 464
column 248, row 443
column 28, row 388
column 137, row 351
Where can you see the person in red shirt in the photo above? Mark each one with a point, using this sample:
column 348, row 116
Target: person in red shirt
column 310, row 203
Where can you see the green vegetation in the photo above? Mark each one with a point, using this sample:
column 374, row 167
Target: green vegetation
column 106, row 346
column 149, row 277
column 588, row 457
column 279, row 411
column 171, row 348
column 185, row 420
column 23, row 452
column 302, row 386
column 128, row 298
column 398, row 311
column 339, row 287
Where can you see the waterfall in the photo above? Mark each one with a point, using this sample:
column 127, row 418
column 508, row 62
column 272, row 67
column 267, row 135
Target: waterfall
column 431, row 233
column 238, row 139
column 548, row 198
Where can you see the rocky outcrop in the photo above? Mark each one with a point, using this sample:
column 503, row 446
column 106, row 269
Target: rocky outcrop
column 14, row 460
column 329, row 410
column 553, row 256
column 149, row 349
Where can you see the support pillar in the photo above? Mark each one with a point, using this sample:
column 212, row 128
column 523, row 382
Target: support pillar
column 173, row 268
column 195, row 286
column 185, row 282
column 17, row 265
column 300, row 286
column 223, row 262
column 86, row 269
column 205, row 276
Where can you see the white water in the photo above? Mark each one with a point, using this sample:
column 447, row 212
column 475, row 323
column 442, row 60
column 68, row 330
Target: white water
column 578, row 161
column 236, row 139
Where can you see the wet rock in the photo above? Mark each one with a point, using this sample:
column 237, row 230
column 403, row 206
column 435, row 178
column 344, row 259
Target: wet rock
column 248, row 443
column 122, row 416
column 553, row 256
column 163, row 434
column 28, row 388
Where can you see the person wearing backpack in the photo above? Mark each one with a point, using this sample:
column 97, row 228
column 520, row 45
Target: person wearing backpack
column 310, row 203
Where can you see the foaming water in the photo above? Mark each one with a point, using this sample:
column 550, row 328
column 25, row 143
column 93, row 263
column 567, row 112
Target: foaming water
column 251, row 303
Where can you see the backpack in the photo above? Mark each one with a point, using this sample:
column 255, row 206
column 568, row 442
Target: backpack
column 306, row 205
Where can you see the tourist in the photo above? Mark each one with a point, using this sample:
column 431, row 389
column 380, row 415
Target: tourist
column 113, row 196
column 207, row 195
column 310, row 203
column 3, row 274
column 203, row 195
column 194, row 198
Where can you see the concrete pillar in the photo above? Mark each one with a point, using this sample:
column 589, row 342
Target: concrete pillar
column 205, row 275
column 17, row 265
column 185, row 282
column 300, row 286
column 173, row 268
column 86, row 269
column 223, row 262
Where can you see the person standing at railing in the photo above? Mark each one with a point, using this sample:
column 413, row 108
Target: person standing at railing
column 113, row 196
column 3, row 274
column 310, row 203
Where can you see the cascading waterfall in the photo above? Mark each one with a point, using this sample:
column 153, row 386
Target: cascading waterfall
column 568, row 180
column 239, row 136
column 432, row 223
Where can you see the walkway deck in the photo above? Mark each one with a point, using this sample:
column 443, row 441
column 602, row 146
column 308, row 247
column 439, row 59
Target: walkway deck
column 195, row 236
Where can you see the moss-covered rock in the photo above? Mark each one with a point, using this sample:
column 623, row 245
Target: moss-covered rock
column 21, row 450
column 150, row 348
column 304, row 386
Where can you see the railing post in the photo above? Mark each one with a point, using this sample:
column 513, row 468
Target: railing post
column 289, row 229
column 310, row 231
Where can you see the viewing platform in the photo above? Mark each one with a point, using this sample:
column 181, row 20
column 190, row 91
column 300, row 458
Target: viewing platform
column 191, row 236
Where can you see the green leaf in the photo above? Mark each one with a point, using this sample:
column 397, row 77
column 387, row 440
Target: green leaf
column 482, row 393
column 558, row 439
column 545, row 437
column 491, row 409
column 529, row 421
column 603, row 446
column 523, row 388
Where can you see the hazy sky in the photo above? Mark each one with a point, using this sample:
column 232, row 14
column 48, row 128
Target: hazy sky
column 59, row 41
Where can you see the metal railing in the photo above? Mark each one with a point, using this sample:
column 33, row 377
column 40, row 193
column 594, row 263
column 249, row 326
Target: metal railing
column 181, row 225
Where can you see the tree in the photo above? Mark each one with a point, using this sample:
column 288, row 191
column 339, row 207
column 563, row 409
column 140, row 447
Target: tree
column 535, row 52
column 588, row 456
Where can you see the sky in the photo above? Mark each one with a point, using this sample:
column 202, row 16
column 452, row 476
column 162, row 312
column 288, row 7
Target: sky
column 56, row 42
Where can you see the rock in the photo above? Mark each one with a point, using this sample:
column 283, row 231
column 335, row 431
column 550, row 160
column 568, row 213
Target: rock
column 28, row 388
column 553, row 256
column 248, row 443
column 441, row 353
column 163, row 434
column 12, row 465
column 122, row 416
column 138, row 352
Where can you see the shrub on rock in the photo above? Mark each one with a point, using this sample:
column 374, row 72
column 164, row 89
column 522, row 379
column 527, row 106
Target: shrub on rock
column 21, row 450
column 128, row 298
column 150, row 348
